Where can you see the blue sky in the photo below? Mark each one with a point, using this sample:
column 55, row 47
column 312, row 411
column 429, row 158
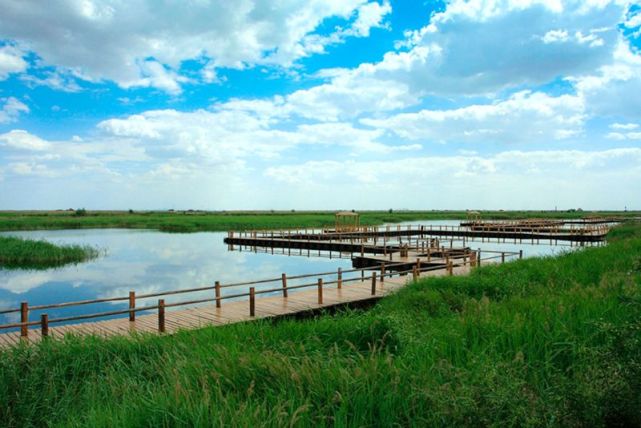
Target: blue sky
column 502, row 104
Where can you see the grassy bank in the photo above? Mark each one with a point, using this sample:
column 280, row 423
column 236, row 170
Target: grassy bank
column 551, row 341
column 19, row 253
column 193, row 221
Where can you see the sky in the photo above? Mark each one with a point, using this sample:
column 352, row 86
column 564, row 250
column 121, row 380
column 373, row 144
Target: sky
column 312, row 104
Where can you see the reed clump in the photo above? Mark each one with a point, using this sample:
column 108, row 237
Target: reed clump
column 20, row 253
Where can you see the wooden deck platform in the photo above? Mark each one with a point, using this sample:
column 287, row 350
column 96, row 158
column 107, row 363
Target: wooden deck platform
column 379, row 240
column 297, row 302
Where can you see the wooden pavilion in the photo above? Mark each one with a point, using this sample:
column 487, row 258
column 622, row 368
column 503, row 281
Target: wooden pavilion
column 347, row 221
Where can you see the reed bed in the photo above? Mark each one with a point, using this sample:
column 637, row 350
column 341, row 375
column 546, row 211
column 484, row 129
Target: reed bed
column 20, row 253
column 195, row 221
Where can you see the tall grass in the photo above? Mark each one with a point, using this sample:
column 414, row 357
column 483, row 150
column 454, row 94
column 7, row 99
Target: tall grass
column 20, row 253
column 221, row 221
column 546, row 341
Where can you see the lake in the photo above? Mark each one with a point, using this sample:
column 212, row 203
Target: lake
column 150, row 261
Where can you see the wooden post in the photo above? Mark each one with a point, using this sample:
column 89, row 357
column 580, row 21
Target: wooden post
column 24, row 319
column 44, row 325
column 339, row 281
column 320, row 291
column 373, row 283
column 161, row 315
column 520, row 254
column 132, row 305
column 217, row 290
column 382, row 273
column 450, row 268
column 478, row 259
column 503, row 257
column 252, row 301
column 414, row 273
column 284, row 280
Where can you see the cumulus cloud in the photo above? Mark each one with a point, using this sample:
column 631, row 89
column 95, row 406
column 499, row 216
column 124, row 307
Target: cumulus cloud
column 481, row 46
column 504, row 180
column 143, row 43
column 11, row 109
column 523, row 117
column 11, row 61
column 510, row 74
column 611, row 90
column 476, row 47
column 169, row 143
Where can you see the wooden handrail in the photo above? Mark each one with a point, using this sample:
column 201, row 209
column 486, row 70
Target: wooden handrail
column 132, row 310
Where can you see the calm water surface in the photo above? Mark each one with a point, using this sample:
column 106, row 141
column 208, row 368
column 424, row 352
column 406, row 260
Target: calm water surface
column 150, row 261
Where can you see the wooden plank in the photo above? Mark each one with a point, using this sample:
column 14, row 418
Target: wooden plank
column 298, row 300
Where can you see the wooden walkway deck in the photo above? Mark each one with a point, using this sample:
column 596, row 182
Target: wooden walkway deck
column 297, row 302
column 357, row 241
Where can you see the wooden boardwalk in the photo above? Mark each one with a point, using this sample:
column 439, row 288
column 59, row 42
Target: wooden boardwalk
column 361, row 240
column 297, row 302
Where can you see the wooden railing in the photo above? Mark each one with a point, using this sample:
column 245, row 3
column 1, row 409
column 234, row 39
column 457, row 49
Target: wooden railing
column 500, row 226
column 473, row 259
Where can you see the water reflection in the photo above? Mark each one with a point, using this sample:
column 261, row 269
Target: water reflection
column 150, row 261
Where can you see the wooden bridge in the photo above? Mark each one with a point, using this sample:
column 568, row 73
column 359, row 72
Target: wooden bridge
column 221, row 304
column 383, row 240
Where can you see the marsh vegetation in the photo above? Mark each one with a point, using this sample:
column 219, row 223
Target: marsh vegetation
column 541, row 341
column 20, row 253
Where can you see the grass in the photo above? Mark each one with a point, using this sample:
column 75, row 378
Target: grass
column 194, row 221
column 537, row 342
column 19, row 253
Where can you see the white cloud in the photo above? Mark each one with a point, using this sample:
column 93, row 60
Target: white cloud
column 524, row 117
column 22, row 140
column 11, row 61
column 54, row 80
column 554, row 36
column 481, row 46
column 473, row 47
column 143, row 43
column 31, row 169
column 509, row 180
column 170, row 143
column 611, row 90
column 370, row 15
column 11, row 109
column 624, row 135
column 624, row 126
column 344, row 134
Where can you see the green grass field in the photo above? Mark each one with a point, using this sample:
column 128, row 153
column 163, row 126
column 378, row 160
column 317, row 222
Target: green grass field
column 536, row 342
column 19, row 253
column 220, row 221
